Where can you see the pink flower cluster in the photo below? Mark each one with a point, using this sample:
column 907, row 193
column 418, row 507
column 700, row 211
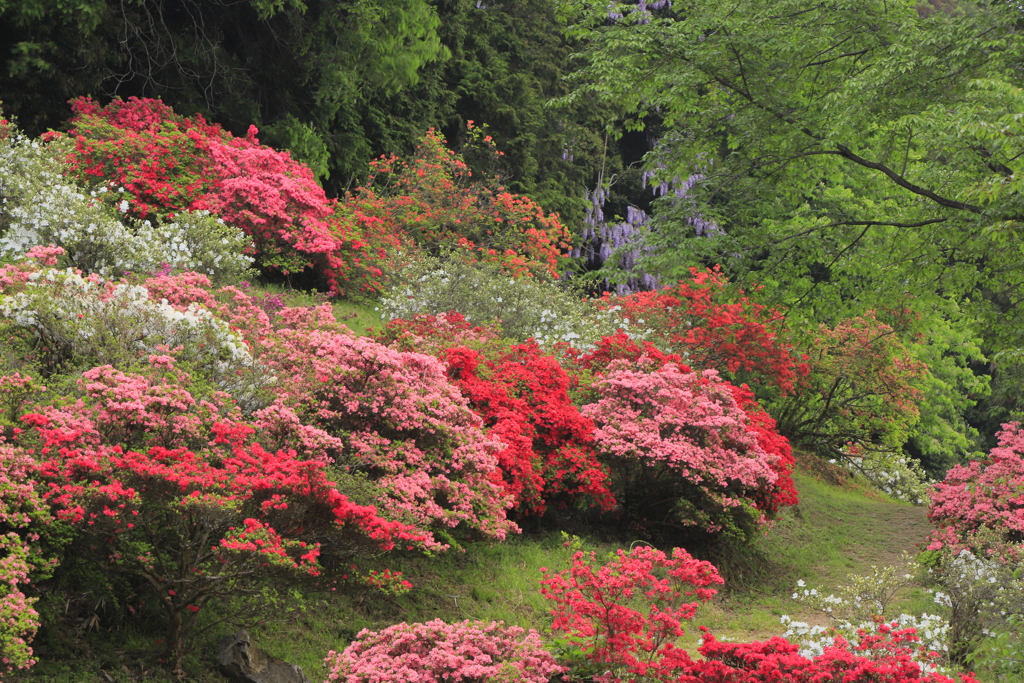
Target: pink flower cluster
column 983, row 494
column 651, row 418
column 26, row 516
column 466, row 652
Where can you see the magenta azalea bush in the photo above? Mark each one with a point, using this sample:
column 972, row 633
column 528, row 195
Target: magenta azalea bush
column 681, row 450
column 467, row 652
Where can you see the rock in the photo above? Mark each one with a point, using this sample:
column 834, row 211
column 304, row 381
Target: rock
column 242, row 662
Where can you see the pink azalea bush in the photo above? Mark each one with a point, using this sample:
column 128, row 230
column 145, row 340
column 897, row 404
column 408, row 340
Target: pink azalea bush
column 983, row 497
column 466, row 652
column 399, row 420
column 678, row 436
column 167, row 163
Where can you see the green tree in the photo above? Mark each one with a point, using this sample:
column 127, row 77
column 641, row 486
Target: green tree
column 851, row 153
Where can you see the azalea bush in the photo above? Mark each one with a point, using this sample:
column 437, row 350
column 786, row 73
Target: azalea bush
column 681, row 450
column 199, row 526
column 162, row 163
column 432, row 199
column 60, row 319
column 42, row 205
column 978, row 507
column 465, row 652
column 711, row 327
column 522, row 396
column 883, row 654
column 26, row 520
column 626, row 613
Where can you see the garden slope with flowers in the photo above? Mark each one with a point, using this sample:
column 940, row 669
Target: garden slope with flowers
column 181, row 451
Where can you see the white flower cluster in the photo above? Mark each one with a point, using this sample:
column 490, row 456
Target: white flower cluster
column 859, row 600
column 85, row 320
column 39, row 205
column 523, row 307
column 932, row 629
column 897, row 475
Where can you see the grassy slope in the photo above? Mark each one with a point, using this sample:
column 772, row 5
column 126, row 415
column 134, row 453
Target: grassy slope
column 838, row 528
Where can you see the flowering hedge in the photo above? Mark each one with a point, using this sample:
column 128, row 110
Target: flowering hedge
column 466, row 652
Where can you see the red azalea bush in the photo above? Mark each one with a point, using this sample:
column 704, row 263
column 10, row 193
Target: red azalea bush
column 522, row 396
column 166, row 163
column 681, row 449
column 983, row 495
column 626, row 613
column 880, row 657
column 466, row 652
column 712, row 329
column 199, row 526
column 432, row 199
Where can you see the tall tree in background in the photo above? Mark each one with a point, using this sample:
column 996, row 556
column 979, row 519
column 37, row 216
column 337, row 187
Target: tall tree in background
column 300, row 69
column 851, row 153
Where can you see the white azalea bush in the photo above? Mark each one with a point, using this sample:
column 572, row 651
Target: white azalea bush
column 985, row 599
column 73, row 321
column 522, row 307
column 39, row 205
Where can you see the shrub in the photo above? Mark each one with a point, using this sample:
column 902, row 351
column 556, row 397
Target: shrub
column 432, row 200
column 983, row 496
column 521, row 308
column 522, row 395
column 882, row 655
column 401, row 422
column 42, row 206
column 860, row 396
column 200, row 526
column 713, row 328
column 68, row 320
column 167, row 163
column 985, row 596
column 626, row 613
column 466, row 652
column 680, row 449
column 26, row 519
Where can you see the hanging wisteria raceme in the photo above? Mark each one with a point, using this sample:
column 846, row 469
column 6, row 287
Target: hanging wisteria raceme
column 620, row 244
